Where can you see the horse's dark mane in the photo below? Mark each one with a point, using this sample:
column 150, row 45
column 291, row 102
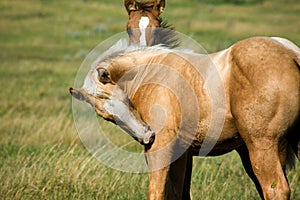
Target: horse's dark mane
column 166, row 35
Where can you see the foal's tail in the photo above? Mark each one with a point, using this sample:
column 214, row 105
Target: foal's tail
column 293, row 136
column 291, row 46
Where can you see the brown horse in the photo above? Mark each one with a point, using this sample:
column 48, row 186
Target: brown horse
column 257, row 95
column 145, row 27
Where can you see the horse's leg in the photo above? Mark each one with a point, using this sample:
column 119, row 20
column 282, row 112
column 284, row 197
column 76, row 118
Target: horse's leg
column 244, row 155
column 267, row 149
column 263, row 127
column 168, row 182
column 188, row 176
column 268, row 169
column 180, row 178
column 267, row 146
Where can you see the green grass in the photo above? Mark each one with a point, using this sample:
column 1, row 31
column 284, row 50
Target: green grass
column 42, row 44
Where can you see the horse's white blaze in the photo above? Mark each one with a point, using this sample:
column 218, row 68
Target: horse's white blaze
column 129, row 123
column 144, row 22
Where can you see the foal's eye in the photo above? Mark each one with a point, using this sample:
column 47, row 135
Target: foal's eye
column 103, row 76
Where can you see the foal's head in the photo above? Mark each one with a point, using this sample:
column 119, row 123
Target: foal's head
column 145, row 27
column 112, row 103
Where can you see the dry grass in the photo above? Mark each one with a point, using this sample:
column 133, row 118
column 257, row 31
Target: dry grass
column 42, row 44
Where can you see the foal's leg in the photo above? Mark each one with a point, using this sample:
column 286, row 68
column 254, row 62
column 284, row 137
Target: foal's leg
column 188, row 177
column 262, row 127
column 169, row 182
column 267, row 148
column 267, row 157
column 244, row 155
column 170, row 168
column 268, row 170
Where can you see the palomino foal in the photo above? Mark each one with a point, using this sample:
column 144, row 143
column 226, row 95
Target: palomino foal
column 261, row 81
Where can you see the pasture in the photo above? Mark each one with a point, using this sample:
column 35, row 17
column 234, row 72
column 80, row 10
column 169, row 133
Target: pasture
column 42, row 45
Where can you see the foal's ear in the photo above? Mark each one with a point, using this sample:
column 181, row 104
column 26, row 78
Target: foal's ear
column 130, row 5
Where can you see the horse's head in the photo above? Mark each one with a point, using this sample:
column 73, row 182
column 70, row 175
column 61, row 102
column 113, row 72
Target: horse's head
column 143, row 20
column 113, row 104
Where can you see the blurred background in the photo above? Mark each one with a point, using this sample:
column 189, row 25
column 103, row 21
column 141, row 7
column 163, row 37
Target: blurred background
column 42, row 45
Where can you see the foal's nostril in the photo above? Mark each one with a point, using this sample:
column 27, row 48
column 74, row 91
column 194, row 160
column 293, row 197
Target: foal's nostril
column 148, row 129
column 129, row 32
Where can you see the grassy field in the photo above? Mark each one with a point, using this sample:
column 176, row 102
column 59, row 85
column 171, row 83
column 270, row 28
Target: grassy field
column 42, row 44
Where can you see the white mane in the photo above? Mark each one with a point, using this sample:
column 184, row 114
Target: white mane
column 122, row 47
